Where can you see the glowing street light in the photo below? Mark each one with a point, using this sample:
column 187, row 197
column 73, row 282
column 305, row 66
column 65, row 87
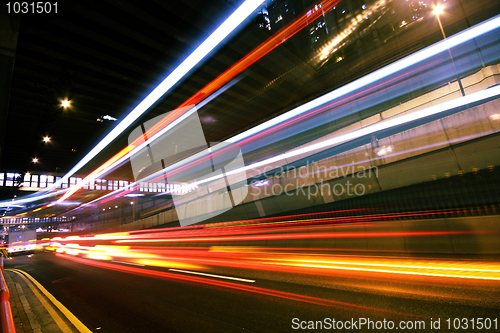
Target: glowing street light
column 438, row 10
column 65, row 103
column 46, row 139
column 35, row 160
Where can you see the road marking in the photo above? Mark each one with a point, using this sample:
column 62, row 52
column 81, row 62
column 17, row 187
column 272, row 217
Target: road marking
column 212, row 275
column 69, row 278
column 57, row 318
column 127, row 263
column 59, row 321
column 35, row 325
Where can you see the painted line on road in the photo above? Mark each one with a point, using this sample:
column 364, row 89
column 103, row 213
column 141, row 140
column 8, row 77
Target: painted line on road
column 59, row 321
column 212, row 275
column 127, row 263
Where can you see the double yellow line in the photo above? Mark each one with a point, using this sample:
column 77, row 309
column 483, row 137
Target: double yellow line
column 33, row 285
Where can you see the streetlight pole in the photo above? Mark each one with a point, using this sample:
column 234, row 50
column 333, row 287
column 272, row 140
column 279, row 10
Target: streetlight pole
column 438, row 10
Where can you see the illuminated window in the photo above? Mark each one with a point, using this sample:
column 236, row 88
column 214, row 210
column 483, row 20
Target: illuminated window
column 10, row 179
column 115, row 185
column 97, row 184
column 43, row 180
column 161, row 187
column 72, row 181
column 34, row 180
column 103, row 184
column 2, row 178
column 50, row 180
column 27, row 180
column 57, row 180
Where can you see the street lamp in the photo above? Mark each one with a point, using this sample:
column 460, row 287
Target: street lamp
column 46, row 139
column 438, row 10
column 35, row 160
column 65, row 103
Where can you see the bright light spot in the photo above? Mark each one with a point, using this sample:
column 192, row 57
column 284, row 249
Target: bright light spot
column 495, row 116
column 46, row 139
column 98, row 256
column 108, row 117
column 65, row 103
column 438, row 9
column 35, row 160
column 132, row 195
column 261, row 182
column 72, row 252
column 384, row 150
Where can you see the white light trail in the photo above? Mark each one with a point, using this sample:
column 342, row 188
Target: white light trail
column 225, row 29
column 212, row 275
column 413, row 59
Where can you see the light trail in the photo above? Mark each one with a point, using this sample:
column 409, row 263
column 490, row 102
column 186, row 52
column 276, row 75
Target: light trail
column 223, row 31
column 212, row 275
column 176, row 116
column 370, row 78
column 148, row 248
column 406, row 62
column 229, row 285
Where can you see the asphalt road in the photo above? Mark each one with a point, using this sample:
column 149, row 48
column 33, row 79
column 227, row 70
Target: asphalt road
column 107, row 300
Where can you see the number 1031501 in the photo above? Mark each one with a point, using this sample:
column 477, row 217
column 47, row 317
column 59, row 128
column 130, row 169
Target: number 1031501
column 474, row 323
column 37, row 7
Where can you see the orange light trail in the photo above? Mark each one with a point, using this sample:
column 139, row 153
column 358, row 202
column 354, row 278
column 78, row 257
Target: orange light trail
column 103, row 167
column 226, row 284
column 282, row 259
column 301, row 236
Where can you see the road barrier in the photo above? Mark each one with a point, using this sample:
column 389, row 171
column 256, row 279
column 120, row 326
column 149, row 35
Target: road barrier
column 6, row 319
